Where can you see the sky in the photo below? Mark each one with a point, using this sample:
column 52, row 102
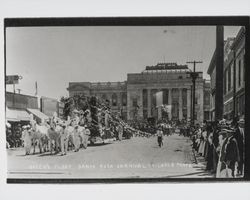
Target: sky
column 55, row 56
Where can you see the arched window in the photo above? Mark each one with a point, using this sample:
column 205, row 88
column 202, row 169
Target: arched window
column 114, row 99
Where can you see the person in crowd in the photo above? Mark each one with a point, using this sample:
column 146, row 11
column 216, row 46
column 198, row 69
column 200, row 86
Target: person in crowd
column 75, row 118
column 215, row 143
column 27, row 139
column 203, row 140
column 106, row 118
column 75, row 123
column 198, row 137
column 229, row 155
column 209, row 147
column 239, row 136
column 120, row 131
column 160, row 136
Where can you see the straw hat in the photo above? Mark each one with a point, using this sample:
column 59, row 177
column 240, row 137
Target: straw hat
column 242, row 121
column 223, row 132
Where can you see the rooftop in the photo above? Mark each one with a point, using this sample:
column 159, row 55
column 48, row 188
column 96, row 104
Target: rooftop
column 167, row 66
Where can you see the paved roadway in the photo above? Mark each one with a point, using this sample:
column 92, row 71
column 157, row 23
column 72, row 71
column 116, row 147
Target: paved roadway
column 134, row 158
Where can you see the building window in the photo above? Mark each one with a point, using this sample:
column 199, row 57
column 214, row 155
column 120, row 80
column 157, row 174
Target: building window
column 145, row 114
column 206, row 98
column 184, row 111
column 231, row 106
column 124, row 99
column 134, row 102
column 239, row 74
column 196, row 100
column 206, row 115
column 229, row 79
column 114, row 99
column 165, row 96
column 145, row 98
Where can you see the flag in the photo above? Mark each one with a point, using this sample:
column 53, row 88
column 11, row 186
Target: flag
column 159, row 98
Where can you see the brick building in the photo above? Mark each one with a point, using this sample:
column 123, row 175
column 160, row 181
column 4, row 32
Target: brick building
column 233, row 77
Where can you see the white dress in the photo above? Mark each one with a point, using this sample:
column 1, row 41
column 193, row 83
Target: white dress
column 203, row 143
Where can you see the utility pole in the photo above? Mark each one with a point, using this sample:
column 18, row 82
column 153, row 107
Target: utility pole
column 194, row 75
column 219, row 72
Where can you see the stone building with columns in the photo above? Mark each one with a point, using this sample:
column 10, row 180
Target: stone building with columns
column 138, row 97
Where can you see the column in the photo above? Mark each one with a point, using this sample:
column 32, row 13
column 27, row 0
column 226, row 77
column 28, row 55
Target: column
column 149, row 102
column 180, row 104
column 170, row 103
column 188, row 103
column 201, row 107
column 159, row 109
column 140, row 104
column 119, row 99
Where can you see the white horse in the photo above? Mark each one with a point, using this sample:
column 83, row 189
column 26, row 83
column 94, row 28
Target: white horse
column 65, row 136
column 54, row 135
column 39, row 136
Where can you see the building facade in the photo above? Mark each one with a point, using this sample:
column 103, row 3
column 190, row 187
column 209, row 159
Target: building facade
column 20, row 106
column 233, row 77
column 238, row 48
column 143, row 94
column 114, row 92
column 49, row 106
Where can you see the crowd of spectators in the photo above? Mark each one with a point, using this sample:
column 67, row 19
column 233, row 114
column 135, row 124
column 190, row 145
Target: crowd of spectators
column 221, row 144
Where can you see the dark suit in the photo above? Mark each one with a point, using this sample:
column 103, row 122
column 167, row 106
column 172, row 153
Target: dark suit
column 240, row 141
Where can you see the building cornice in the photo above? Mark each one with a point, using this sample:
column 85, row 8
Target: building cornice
column 238, row 39
column 212, row 64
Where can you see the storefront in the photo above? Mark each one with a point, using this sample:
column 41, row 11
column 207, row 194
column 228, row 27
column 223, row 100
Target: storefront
column 15, row 119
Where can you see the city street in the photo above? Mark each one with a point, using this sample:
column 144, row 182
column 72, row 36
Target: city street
column 135, row 158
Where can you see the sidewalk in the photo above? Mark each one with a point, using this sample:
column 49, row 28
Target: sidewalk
column 199, row 162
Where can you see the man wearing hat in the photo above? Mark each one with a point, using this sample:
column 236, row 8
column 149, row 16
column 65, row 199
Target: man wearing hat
column 64, row 138
column 239, row 136
column 229, row 155
column 75, row 124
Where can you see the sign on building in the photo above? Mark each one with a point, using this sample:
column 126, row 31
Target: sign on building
column 13, row 79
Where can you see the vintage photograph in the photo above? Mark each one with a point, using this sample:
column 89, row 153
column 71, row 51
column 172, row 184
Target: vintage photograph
column 125, row 102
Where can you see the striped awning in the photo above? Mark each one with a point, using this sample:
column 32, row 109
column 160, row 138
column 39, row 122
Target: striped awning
column 38, row 114
column 16, row 115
